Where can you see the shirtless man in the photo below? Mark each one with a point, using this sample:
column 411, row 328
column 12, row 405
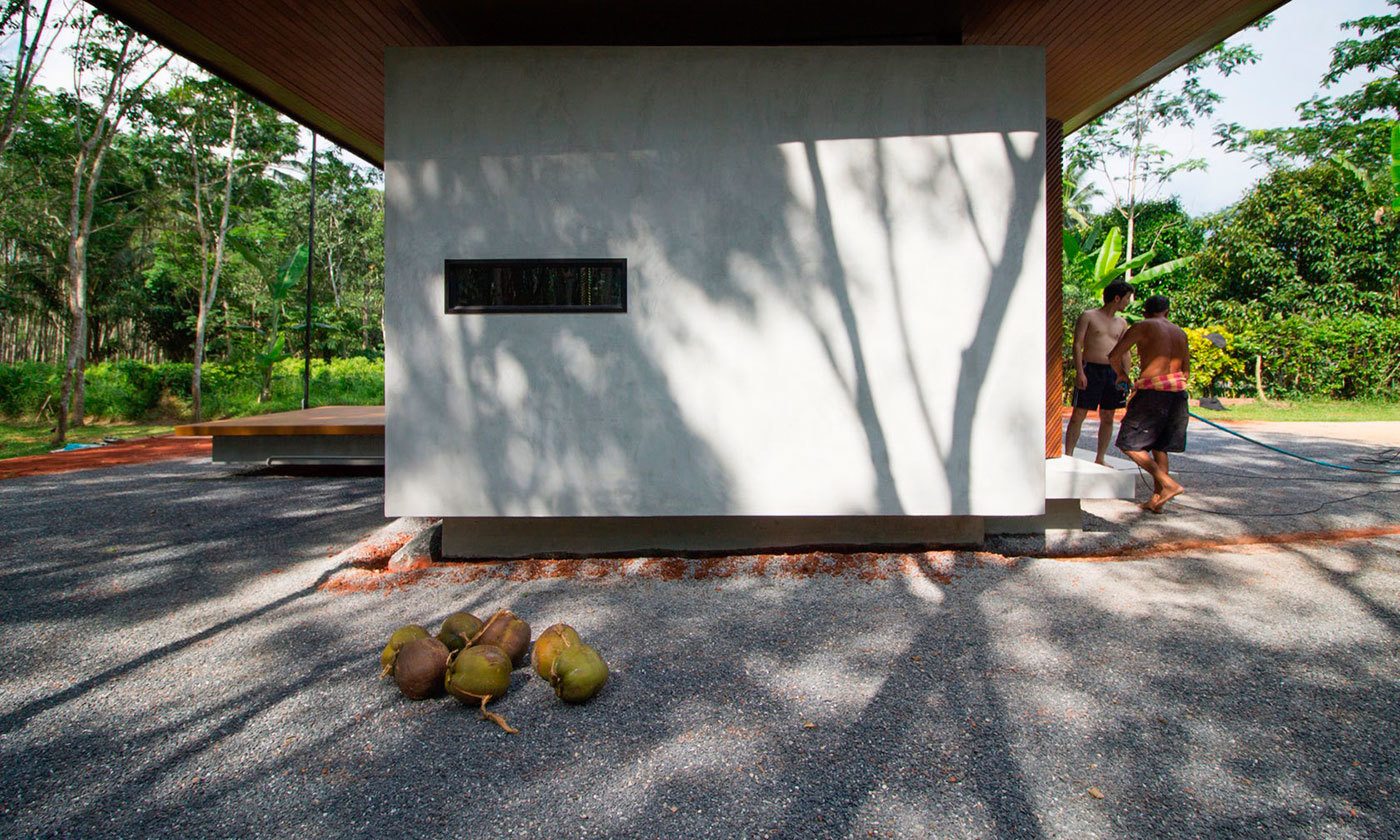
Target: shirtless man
column 1155, row 423
column 1095, row 384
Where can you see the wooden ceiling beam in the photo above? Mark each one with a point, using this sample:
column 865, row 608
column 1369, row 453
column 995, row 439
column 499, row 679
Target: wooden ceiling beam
column 322, row 63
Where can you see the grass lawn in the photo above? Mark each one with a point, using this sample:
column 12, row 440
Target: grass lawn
column 19, row 437
column 1308, row 410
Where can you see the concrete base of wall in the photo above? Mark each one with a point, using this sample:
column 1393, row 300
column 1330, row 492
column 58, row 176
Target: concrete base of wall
column 350, row 450
column 1067, row 481
column 499, row 537
column 1060, row 515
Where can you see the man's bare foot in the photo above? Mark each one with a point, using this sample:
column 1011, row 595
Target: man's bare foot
column 1159, row 500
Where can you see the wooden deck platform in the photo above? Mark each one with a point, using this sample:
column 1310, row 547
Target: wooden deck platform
column 329, row 434
column 323, row 420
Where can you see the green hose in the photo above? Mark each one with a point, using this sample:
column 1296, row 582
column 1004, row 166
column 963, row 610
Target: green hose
column 1292, row 454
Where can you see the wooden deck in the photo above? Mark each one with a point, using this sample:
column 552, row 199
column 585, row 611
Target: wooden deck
column 324, row 420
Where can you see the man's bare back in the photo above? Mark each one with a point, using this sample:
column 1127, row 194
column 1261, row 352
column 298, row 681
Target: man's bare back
column 1101, row 331
column 1161, row 345
column 1156, row 420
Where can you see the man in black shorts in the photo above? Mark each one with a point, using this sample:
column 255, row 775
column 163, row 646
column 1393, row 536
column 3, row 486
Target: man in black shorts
column 1096, row 386
column 1155, row 423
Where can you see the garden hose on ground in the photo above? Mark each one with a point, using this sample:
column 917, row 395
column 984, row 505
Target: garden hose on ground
column 1388, row 456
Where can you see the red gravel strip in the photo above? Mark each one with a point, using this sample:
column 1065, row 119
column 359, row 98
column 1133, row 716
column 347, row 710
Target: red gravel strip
column 137, row 451
column 1139, row 552
column 938, row 566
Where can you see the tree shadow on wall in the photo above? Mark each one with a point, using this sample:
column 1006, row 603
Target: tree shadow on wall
column 587, row 414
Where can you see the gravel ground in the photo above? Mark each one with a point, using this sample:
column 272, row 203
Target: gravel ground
column 1235, row 488
column 175, row 672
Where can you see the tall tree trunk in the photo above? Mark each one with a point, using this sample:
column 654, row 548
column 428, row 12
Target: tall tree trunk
column 196, row 394
column 209, row 277
column 1139, row 133
column 80, row 393
column 77, row 294
column 228, row 334
column 87, row 173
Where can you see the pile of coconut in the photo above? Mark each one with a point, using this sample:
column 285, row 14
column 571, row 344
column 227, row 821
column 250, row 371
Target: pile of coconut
column 472, row 660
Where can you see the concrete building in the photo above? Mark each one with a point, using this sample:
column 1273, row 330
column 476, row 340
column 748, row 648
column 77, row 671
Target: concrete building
column 748, row 277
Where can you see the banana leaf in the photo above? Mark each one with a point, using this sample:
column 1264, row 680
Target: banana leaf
column 1395, row 165
column 1165, row 268
column 1109, row 253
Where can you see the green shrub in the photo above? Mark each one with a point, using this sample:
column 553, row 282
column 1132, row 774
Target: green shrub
column 132, row 390
column 1209, row 363
column 25, row 385
column 1342, row 357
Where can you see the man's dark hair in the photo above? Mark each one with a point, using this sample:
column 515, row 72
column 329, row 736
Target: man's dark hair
column 1116, row 289
column 1156, row 304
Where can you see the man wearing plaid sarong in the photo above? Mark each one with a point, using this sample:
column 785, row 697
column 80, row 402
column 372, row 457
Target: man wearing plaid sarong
column 1155, row 422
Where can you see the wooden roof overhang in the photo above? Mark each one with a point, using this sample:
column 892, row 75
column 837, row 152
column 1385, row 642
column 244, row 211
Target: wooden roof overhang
column 322, row 61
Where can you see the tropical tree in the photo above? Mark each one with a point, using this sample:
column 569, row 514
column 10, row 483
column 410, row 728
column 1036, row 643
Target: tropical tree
column 1353, row 127
column 1078, row 193
column 222, row 145
column 1120, row 143
column 1307, row 241
column 32, row 32
column 112, row 68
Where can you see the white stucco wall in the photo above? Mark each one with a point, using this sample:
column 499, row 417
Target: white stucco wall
column 836, row 281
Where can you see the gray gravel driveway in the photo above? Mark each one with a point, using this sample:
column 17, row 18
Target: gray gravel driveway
column 173, row 671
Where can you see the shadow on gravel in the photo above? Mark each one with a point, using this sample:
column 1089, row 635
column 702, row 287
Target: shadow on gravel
column 1191, row 694
column 129, row 545
column 1351, row 578
column 13, row 720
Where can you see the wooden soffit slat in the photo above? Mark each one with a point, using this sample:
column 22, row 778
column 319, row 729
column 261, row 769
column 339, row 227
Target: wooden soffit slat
column 322, row 62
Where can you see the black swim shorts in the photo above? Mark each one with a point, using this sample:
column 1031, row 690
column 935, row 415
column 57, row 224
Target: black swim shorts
column 1103, row 391
column 1155, row 421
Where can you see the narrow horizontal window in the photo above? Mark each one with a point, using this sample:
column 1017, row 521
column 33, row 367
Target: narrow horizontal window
column 536, row 285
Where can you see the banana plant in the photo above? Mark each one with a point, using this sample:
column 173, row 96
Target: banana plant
column 1102, row 266
column 280, row 285
column 1395, row 166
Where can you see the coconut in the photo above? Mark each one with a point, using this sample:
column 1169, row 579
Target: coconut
column 457, row 629
column 402, row 636
column 547, row 646
column 478, row 675
column 477, row 672
column 420, row 667
column 507, row 631
column 578, row 673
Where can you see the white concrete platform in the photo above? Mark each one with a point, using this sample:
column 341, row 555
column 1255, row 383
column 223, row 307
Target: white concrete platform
column 1080, row 478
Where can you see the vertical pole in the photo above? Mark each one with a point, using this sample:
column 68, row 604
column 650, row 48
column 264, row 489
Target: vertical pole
column 310, row 266
column 1054, row 288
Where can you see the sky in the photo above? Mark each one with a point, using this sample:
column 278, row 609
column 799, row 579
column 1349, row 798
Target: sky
column 1296, row 51
column 1295, row 54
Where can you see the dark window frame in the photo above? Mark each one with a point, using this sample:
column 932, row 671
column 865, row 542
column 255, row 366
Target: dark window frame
column 609, row 262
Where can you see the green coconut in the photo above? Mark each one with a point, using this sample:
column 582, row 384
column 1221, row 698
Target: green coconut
column 478, row 675
column 419, row 668
column 507, row 631
column 547, row 646
column 457, row 629
column 402, row 636
column 578, row 673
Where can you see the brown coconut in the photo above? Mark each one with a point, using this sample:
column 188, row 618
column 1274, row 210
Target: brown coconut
column 509, row 632
column 420, row 668
column 401, row 637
